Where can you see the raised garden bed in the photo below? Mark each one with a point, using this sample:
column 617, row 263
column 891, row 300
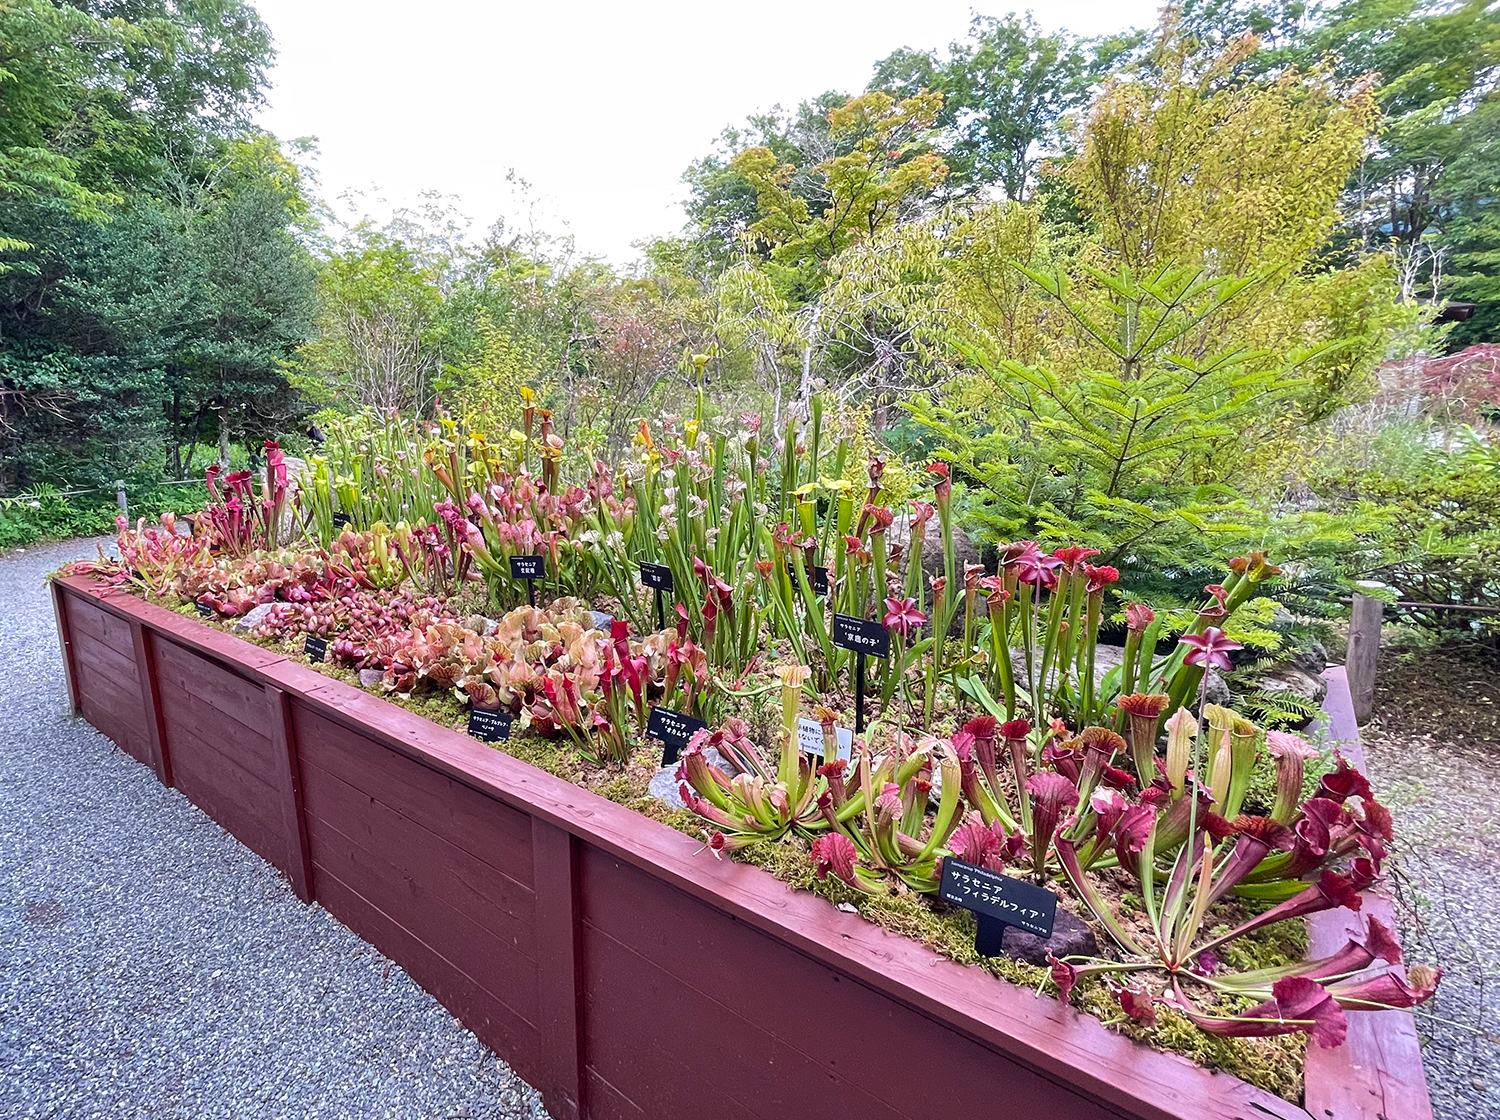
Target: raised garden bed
column 614, row 966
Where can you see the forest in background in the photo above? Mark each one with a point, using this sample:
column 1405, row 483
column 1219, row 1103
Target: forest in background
column 1171, row 293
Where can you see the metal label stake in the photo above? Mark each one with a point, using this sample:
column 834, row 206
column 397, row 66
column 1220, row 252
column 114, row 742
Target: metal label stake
column 861, row 636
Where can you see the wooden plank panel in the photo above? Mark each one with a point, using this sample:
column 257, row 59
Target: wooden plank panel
column 486, row 829
column 86, row 616
column 420, row 869
column 109, row 697
column 115, row 691
column 509, row 1036
column 96, row 655
column 608, row 1103
column 227, row 693
column 249, row 748
column 112, row 726
column 222, row 756
column 242, row 803
column 508, row 977
column 660, row 967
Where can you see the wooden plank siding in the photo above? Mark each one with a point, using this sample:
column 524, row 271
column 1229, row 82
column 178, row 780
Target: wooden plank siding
column 616, row 966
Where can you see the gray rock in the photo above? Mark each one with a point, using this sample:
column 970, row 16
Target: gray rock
column 1311, row 660
column 253, row 617
column 664, row 781
column 602, row 620
column 481, row 625
column 1290, row 679
column 1218, row 691
column 965, row 551
column 1070, row 938
column 370, row 678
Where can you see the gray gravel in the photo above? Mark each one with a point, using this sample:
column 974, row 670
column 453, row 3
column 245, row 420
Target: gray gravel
column 151, row 966
column 1446, row 799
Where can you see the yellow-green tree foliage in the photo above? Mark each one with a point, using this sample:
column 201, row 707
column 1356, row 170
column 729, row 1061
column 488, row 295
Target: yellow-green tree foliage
column 487, row 388
column 1183, row 165
column 1119, row 376
column 881, row 171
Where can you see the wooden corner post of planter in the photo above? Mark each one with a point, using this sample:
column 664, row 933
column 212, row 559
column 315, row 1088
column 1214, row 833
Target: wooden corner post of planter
column 65, row 641
column 1364, row 650
column 1377, row 1073
column 559, row 978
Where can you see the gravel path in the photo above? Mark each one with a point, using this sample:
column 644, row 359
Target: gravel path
column 1441, row 776
column 151, row 966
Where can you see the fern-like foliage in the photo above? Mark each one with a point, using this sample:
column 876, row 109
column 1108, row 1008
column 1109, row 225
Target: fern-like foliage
column 1275, row 709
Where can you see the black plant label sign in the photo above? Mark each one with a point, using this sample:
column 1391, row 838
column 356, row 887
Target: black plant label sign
column 528, row 567
column 862, row 635
column 491, row 727
column 674, row 730
column 316, row 648
column 658, row 576
column 204, row 609
column 999, row 898
column 342, row 520
column 817, row 576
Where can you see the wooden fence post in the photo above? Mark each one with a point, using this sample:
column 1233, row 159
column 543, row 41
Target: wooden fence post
column 1364, row 649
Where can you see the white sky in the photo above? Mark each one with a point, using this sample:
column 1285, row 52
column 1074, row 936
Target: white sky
column 600, row 106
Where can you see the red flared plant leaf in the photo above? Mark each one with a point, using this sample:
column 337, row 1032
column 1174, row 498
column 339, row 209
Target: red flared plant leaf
column 1149, row 704
column 1299, row 998
column 1130, row 834
column 1139, row 1005
column 982, row 727
column 835, row 852
column 1218, row 828
column 1390, row 989
column 1052, row 795
column 1064, row 976
column 977, row 843
column 1015, row 729
column 1377, row 820
column 1102, row 739
column 1343, row 782
column 1297, row 1004
column 1381, row 941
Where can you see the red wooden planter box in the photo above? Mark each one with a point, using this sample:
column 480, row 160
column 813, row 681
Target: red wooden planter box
column 616, row 967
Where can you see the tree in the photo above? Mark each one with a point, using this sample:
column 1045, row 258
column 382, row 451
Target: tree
column 256, row 283
column 379, row 329
column 1470, row 194
column 126, row 195
column 1006, row 92
column 722, row 204
column 93, row 95
column 1126, row 383
column 1420, row 192
column 882, row 176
